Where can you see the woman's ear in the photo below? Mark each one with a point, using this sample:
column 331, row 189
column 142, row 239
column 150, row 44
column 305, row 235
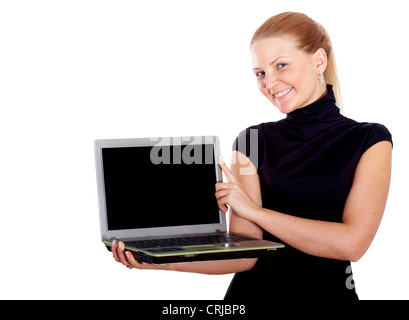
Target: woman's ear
column 321, row 60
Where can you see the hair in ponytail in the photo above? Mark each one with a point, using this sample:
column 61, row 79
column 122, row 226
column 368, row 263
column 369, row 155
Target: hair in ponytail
column 309, row 35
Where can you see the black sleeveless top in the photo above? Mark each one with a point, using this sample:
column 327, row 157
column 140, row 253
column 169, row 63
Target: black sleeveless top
column 306, row 164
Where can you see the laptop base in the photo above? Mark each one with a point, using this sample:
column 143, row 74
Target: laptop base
column 207, row 254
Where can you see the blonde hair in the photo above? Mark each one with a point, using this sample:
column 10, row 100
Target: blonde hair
column 310, row 36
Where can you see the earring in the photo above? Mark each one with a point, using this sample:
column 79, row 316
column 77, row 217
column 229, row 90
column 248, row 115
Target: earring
column 321, row 79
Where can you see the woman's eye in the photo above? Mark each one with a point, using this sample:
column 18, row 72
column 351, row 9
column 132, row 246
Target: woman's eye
column 260, row 74
column 281, row 65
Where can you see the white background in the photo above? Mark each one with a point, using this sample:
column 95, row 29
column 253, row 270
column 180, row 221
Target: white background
column 75, row 71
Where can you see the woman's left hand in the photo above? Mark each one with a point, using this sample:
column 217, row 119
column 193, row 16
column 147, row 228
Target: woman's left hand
column 233, row 194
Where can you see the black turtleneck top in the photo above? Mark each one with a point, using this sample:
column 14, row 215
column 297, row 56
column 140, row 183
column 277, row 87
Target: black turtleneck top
column 306, row 164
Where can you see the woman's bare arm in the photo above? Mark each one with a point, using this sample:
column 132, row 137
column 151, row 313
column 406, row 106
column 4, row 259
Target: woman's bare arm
column 362, row 215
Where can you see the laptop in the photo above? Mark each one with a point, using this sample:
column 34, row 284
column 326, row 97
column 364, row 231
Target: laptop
column 157, row 195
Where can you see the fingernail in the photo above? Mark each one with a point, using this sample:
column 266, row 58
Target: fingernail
column 220, row 160
column 114, row 242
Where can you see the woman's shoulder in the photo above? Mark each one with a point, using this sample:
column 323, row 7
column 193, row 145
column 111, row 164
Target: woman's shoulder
column 251, row 141
column 369, row 133
column 374, row 128
column 373, row 133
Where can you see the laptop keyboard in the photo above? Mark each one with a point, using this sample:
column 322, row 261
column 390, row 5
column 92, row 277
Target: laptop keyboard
column 186, row 241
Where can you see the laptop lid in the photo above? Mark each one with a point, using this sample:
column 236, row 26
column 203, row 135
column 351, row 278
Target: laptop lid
column 150, row 187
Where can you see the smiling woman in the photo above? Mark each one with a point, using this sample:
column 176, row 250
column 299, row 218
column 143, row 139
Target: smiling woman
column 316, row 180
column 322, row 178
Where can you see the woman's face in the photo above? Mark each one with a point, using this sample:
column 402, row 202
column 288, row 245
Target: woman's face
column 286, row 75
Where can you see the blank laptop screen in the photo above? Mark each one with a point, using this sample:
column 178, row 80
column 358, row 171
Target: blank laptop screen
column 168, row 186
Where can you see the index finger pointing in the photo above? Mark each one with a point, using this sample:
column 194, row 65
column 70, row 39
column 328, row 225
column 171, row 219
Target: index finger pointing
column 229, row 175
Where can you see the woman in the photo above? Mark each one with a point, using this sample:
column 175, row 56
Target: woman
column 318, row 181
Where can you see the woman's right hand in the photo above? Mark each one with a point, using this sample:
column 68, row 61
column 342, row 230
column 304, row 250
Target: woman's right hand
column 128, row 260
column 207, row 267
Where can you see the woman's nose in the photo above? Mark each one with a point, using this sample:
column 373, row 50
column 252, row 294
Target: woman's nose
column 271, row 82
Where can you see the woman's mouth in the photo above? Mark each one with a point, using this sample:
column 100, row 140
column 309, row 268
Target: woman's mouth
column 282, row 93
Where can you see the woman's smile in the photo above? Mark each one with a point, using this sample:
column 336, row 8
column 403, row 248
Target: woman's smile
column 281, row 94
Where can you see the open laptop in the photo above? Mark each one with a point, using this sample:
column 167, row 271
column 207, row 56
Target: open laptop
column 157, row 195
